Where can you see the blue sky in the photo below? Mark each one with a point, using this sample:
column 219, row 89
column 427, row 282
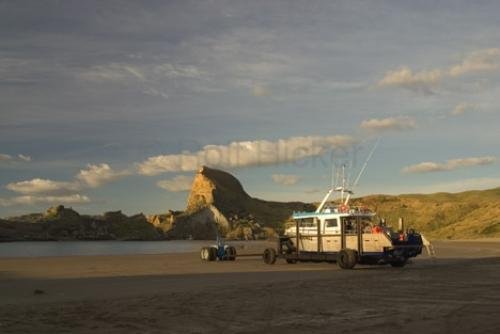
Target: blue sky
column 113, row 105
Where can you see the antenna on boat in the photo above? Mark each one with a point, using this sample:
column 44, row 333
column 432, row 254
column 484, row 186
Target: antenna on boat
column 362, row 170
column 334, row 177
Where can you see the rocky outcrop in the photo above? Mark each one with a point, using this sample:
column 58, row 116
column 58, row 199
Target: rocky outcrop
column 204, row 224
column 217, row 188
column 217, row 198
column 60, row 223
column 60, row 213
column 163, row 220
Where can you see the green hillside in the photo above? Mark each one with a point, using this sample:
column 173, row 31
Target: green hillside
column 471, row 214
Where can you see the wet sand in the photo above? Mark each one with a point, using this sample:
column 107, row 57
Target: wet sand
column 458, row 292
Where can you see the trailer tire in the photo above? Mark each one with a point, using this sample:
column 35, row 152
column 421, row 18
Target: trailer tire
column 346, row 259
column 269, row 256
column 230, row 253
column 212, row 254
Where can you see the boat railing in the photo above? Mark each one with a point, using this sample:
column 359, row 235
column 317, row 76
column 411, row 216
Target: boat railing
column 336, row 209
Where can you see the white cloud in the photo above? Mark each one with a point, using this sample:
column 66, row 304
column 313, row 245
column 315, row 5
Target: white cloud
column 478, row 61
column 97, row 175
column 260, row 90
column 92, row 177
column 178, row 183
column 426, row 81
column 124, row 72
column 177, row 71
column 428, row 166
column 117, row 72
column 153, row 79
column 285, row 179
column 23, row 157
column 20, row 157
column 423, row 81
column 5, row 157
column 389, row 124
column 462, row 108
column 155, row 92
column 43, row 186
column 44, row 191
column 245, row 153
column 31, row 200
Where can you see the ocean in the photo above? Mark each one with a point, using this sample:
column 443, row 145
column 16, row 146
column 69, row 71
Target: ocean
column 82, row 248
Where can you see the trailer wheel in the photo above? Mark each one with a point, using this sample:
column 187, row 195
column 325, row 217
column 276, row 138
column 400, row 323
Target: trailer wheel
column 346, row 259
column 291, row 261
column 204, row 253
column 269, row 256
column 401, row 262
column 212, row 254
column 230, row 253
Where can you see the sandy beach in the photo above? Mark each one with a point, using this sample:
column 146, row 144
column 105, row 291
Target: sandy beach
column 178, row 293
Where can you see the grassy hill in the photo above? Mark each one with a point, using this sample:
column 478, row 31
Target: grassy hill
column 470, row 214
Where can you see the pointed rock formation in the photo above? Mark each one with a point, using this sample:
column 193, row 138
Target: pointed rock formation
column 218, row 199
column 218, row 188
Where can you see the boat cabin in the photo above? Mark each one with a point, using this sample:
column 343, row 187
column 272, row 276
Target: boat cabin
column 336, row 228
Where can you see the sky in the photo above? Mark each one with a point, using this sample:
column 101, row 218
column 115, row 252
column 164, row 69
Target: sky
column 114, row 105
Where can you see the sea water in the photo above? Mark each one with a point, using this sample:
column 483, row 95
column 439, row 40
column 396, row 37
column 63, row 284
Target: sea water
column 75, row 248
column 82, row 248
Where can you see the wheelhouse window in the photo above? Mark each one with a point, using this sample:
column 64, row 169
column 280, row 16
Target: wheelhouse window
column 331, row 223
column 350, row 224
column 307, row 222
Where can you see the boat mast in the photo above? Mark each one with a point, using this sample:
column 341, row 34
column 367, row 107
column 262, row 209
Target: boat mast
column 342, row 189
column 343, row 184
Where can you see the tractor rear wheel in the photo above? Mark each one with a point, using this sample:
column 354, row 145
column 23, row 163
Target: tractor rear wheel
column 269, row 256
column 347, row 259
